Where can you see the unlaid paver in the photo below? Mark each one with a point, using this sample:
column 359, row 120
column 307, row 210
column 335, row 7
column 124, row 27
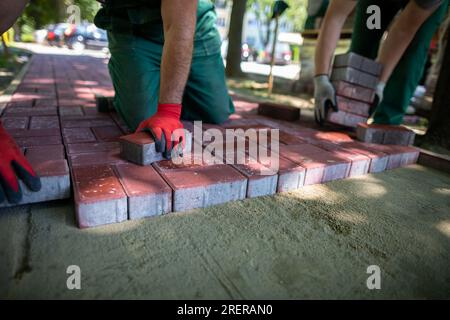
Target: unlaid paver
column 140, row 148
column 385, row 134
column 345, row 118
column 353, row 91
column 353, row 106
column 359, row 62
column 354, row 76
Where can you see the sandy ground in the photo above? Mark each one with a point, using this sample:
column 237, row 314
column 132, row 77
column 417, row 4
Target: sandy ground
column 314, row 243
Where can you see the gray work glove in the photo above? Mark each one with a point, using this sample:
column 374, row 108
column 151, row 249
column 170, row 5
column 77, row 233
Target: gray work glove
column 324, row 96
column 379, row 94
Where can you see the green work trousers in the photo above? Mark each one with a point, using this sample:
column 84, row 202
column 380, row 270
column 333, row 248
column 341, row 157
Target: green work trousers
column 403, row 82
column 135, row 72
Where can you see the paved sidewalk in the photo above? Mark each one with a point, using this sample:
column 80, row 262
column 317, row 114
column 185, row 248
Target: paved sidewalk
column 54, row 119
column 313, row 242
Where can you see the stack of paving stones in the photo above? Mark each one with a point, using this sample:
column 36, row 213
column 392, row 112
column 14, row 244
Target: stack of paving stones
column 355, row 79
column 54, row 118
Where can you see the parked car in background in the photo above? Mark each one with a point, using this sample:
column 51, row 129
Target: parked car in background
column 283, row 54
column 248, row 53
column 85, row 36
column 55, row 34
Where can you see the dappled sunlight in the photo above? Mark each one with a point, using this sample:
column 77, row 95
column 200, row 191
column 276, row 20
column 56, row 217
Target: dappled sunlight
column 351, row 217
column 442, row 191
column 370, row 187
column 444, row 228
column 116, row 228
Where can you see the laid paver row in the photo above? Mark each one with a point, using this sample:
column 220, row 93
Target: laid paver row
column 108, row 189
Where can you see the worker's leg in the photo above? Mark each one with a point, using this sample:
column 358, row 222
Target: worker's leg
column 406, row 76
column 135, row 72
column 206, row 96
column 366, row 42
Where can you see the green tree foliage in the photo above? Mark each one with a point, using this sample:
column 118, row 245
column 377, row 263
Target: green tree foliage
column 296, row 15
column 39, row 13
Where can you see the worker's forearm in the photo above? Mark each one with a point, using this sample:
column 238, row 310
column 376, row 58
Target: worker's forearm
column 179, row 18
column 10, row 10
column 329, row 35
column 400, row 36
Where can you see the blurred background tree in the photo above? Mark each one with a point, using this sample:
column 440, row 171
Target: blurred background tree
column 40, row 13
column 295, row 15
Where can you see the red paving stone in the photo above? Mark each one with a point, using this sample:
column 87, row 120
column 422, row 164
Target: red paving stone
column 99, row 196
column 359, row 163
column 108, row 133
column 385, row 134
column 139, row 148
column 354, row 92
column 33, row 141
column 44, row 122
column 77, row 135
column 353, row 106
column 346, row 119
column 148, row 194
column 108, row 189
column 321, row 166
column 199, row 186
column 15, row 122
column 92, row 147
column 378, row 159
column 34, row 132
column 359, row 62
column 25, row 111
column 88, row 123
column 100, row 157
column 54, row 152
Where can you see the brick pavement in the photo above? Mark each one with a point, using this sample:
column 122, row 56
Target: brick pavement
column 54, row 119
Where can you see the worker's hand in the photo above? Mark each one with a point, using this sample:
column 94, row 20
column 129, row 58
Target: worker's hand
column 14, row 166
column 325, row 98
column 379, row 94
column 163, row 126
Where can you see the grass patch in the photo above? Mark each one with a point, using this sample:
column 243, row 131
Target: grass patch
column 11, row 65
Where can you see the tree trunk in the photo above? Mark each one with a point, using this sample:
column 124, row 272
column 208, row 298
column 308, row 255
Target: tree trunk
column 233, row 68
column 439, row 128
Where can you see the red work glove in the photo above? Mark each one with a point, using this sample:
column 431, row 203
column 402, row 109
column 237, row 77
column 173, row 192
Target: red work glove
column 162, row 126
column 13, row 165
